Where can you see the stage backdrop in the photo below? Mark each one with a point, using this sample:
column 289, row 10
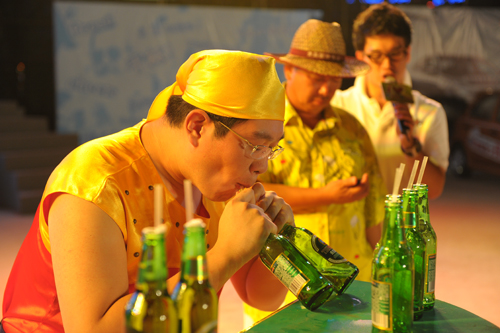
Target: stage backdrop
column 111, row 60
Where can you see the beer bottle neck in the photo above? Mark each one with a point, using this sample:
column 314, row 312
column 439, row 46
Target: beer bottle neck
column 393, row 232
column 409, row 208
column 153, row 267
column 422, row 202
column 194, row 258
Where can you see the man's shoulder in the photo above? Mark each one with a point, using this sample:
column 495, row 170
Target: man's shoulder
column 421, row 99
column 351, row 100
column 117, row 148
column 347, row 118
column 102, row 158
column 346, row 94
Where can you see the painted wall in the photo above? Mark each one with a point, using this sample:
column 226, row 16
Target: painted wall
column 111, row 60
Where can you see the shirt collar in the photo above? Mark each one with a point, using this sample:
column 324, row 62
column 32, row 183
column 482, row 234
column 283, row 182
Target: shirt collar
column 331, row 117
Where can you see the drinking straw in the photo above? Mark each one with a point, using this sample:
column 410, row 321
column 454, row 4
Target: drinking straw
column 397, row 181
column 188, row 199
column 422, row 168
column 413, row 172
column 158, row 205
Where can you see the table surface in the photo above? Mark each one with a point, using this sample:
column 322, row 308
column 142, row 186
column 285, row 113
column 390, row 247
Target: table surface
column 351, row 312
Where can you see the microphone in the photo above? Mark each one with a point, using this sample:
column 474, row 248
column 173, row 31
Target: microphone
column 398, row 93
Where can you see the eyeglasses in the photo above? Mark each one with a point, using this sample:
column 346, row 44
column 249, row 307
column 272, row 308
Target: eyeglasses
column 258, row 152
column 378, row 57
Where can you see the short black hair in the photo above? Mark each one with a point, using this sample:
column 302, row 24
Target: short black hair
column 178, row 109
column 380, row 19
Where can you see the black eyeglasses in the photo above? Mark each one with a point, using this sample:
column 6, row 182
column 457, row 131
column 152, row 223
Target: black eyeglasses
column 378, row 57
column 258, row 152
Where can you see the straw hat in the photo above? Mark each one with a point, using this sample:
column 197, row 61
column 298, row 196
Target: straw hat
column 319, row 47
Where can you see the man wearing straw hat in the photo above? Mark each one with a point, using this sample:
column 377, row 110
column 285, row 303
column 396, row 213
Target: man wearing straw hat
column 382, row 38
column 218, row 126
column 328, row 171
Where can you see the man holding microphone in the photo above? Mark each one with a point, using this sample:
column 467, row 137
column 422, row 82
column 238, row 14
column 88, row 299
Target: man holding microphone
column 382, row 38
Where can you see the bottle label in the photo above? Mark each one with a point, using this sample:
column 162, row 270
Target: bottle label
column 289, row 274
column 325, row 251
column 382, row 305
column 431, row 273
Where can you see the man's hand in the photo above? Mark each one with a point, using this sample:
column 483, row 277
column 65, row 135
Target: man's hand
column 247, row 221
column 402, row 113
column 347, row 190
column 254, row 283
column 276, row 208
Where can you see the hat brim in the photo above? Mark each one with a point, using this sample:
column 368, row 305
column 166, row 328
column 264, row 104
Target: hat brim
column 349, row 67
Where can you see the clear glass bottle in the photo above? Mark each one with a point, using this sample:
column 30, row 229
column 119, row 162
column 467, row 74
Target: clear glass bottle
column 196, row 300
column 150, row 309
column 392, row 275
column 340, row 272
column 417, row 244
column 296, row 272
column 430, row 238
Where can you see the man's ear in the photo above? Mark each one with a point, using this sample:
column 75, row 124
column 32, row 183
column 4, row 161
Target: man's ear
column 194, row 125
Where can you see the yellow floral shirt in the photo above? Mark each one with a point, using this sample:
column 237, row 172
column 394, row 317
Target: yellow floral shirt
column 337, row 148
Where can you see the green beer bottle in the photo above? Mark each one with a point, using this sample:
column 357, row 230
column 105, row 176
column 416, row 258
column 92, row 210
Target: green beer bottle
column 417, row 244
column 296, row 272
column 340, row 272
column 196, row 300
column 392, row 275
column 151, row 310
column 430, row 238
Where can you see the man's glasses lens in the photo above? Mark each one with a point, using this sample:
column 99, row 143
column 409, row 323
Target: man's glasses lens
column 379, row 57
column 258, row 152
column 267, row 152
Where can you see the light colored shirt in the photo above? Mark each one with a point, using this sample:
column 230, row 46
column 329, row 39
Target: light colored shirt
column 431, row 128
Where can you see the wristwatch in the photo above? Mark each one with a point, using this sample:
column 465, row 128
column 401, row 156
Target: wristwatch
column 414, row 150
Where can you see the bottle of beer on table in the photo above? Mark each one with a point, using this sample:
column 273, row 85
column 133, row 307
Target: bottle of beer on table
column 296, row 272
column 417, row 244
column 340, row 272
column 392, row 275
column 430, row 238
column 196, row 300
column 151, row 310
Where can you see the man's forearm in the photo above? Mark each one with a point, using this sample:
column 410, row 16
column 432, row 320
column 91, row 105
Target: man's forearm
column 258, row 287
column 434, row 176
column 220, row 269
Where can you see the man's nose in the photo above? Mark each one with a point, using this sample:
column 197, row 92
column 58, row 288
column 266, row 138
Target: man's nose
column 328, row 88
column 386, row 62
column 259, row 166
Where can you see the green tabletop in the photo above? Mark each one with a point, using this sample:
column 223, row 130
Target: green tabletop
column 351, row 312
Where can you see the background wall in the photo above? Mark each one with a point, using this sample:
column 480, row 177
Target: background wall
column 26, row 36
column 111, row 60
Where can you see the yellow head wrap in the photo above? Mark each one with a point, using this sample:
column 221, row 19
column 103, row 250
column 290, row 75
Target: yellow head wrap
column 227, row 83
